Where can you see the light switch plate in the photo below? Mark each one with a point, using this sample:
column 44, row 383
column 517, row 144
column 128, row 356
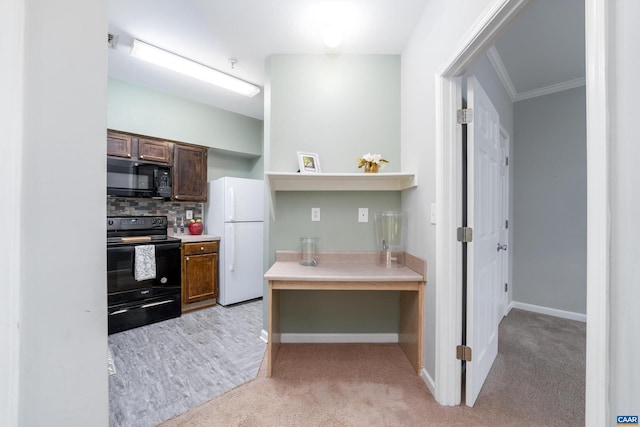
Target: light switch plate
column 189, row 214
column 363, row 214
column 315, row 214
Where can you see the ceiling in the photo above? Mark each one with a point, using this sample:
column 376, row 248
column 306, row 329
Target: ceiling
column 543, row 50
column 545, row 46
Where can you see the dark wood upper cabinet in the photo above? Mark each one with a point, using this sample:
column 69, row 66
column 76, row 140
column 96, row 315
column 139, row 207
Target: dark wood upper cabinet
column 189, row 161
column 119, row 144
column 153, row 151
column 189, row 173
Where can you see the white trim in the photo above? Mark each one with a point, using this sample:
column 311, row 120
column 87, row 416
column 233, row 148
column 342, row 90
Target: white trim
column 547, row 90
column 264, row 336
column 509, row 87
column 480, row 37
column 12, row 45
column 501, row 71
column 429, row 382
column 509, row 308
column 597, row 406
column 448, row 195
column 338, row 338
column 449, row 260
column 580, row 317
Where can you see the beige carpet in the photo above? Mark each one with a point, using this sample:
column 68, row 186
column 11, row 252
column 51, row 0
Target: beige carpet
column 537, row 380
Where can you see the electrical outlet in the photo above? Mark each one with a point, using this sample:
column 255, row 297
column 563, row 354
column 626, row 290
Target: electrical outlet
column 189, row 214
column 315, row 214
column 363, row 214
column 433, row 213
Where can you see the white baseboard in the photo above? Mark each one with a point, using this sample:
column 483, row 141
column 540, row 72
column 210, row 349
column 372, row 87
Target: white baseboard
column 431, row 384
column 509, row 307
column 339, row 338
column 550, row 311
column 332, row 338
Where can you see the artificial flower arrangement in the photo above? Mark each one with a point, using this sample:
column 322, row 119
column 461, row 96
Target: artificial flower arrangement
column 371, row 162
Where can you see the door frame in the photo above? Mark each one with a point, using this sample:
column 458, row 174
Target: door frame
column 449, row 203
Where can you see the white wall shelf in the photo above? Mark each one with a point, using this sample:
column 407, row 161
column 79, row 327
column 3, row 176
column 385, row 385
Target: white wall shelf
column 292, row 181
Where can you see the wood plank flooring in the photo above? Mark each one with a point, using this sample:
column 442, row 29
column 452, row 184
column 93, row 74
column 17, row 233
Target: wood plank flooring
column 165, row 368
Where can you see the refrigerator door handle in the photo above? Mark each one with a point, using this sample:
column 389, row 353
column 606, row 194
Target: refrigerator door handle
column 232, row 249
column 232, row 204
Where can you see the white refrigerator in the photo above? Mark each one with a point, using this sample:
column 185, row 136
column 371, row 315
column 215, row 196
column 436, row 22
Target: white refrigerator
column 235, row 212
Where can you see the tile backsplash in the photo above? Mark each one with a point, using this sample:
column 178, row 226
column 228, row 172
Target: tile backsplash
column 133, row 206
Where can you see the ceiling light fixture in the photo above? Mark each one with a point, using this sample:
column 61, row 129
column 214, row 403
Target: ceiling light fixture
column 332, row 36
column 190, row 68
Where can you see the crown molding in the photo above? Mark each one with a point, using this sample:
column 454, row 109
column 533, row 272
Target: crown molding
column 547, row 90
column 514, row 95
column 501, row 71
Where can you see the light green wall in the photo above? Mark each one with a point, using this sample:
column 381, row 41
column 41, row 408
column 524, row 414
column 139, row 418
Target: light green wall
column 339, row 107
column 338, row 228
column 135, row 109
column 221, row 163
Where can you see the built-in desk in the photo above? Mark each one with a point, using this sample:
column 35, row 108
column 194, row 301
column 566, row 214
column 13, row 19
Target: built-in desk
column 350, row 272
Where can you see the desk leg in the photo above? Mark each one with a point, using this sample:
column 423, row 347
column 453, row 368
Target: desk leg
column 410, row 326
column 274, row 328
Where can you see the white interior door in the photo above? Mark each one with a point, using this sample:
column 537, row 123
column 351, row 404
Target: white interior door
column 483, row 216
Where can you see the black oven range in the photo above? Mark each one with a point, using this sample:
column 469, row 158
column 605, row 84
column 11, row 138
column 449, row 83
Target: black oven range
column 143, row 272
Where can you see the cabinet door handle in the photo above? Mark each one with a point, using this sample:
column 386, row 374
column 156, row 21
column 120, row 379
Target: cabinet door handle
column 202, row 248
column 186, row 259
column 232, row 248
column 232, row 204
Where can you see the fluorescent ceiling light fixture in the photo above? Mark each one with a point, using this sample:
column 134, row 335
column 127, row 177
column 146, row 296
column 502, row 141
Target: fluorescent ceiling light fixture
column 169, row 60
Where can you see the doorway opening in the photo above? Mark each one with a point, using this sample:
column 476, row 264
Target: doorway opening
column 449, row 261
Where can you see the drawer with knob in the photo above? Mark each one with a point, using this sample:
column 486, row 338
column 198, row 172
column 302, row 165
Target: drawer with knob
column 200, row 248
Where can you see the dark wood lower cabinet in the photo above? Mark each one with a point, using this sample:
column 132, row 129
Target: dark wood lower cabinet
column 199, row 275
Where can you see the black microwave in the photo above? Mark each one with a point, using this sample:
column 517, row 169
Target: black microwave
column 130, row 178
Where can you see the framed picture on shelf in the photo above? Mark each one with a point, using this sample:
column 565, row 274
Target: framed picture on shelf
column 308, row 162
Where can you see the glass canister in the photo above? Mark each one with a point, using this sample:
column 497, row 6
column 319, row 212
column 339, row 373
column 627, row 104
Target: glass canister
column 308, row 251
column 391, row 237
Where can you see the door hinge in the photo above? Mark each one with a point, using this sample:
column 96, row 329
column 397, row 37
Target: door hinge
column 506, row 223
column 465, row 116
column 506, row 287
column 465, row 234
column 463, row 353
column 506, row 161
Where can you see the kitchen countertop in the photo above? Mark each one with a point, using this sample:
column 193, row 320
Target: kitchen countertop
column 340, row 271
column 190, row 238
